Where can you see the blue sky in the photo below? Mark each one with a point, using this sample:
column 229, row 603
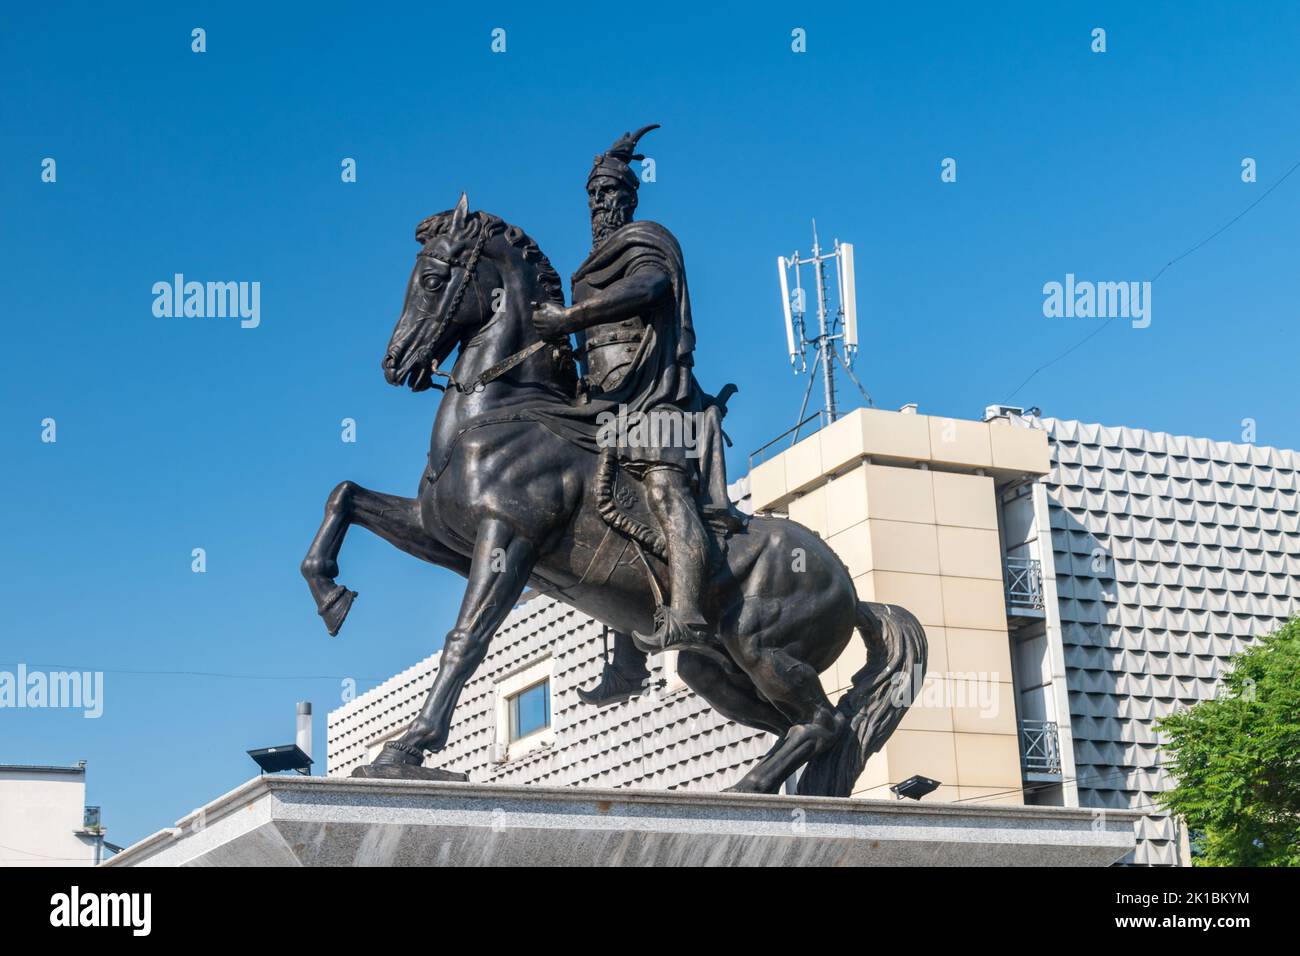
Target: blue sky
column 182, row 433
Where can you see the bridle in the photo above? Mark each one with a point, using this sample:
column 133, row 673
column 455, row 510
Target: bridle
column 471, row 268
column 470, row 265
column 480, row 382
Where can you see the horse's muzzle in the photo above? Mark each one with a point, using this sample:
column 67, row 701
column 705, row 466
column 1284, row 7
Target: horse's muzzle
column 393, row 371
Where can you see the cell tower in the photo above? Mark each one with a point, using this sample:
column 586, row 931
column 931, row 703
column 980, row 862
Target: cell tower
column 840, row 326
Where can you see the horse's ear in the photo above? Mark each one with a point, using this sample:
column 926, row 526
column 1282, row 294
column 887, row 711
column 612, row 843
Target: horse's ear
column 460, row 214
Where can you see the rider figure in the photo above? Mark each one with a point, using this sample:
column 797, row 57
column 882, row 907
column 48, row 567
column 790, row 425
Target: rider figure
column 631, row 315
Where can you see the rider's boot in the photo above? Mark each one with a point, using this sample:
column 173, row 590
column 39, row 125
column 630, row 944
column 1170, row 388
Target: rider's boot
column 681, row 626
column 625, row 675
column 727, row 519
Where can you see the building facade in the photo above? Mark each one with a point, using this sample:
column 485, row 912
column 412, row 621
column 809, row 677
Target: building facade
column 44, row 820
column 1171, row 554
column 1075, row 582
column 667, row 738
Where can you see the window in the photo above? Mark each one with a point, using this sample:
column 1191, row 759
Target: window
column 523, row 709
column 530, row 710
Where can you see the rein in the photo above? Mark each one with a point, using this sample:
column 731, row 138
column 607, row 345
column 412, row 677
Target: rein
column 489, row 375
column 483, row 379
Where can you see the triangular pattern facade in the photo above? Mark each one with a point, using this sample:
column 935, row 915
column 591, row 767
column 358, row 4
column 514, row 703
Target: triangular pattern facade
column 670, row 740
column 1172, row 554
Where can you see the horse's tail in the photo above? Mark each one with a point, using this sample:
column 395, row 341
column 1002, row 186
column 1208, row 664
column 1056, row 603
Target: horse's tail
column 874, row 705
column 618, row 519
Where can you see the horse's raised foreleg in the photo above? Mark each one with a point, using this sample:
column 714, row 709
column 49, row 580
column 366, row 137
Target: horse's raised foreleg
column 502, row 562
column 393, row 518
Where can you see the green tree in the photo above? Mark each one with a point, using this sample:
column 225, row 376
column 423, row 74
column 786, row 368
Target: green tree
column 1236, row 759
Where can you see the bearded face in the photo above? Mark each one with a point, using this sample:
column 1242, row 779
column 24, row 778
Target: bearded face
column 611, row 204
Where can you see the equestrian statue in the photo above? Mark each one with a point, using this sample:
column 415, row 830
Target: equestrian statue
column 596, row 475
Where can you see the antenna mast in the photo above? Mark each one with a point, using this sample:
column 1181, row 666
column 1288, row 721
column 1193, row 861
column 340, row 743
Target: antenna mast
column 840, row 326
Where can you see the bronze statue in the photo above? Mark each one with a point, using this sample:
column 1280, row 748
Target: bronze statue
column 632, row 316
column 532, row 478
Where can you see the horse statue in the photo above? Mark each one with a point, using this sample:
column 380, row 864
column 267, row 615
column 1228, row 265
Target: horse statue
column 508, row 501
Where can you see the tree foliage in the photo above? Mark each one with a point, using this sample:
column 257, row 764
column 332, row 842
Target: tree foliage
column 1236, row 759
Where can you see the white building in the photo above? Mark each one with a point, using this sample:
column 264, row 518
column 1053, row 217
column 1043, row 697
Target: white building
column 667, row 738
column 44, row 820
column 1171, row 554
column 1131, row 571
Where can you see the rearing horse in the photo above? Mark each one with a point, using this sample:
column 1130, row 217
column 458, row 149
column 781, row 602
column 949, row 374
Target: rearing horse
column 506, row 501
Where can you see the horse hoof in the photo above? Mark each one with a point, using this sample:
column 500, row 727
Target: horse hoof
column 391, row 771
column 336, row 609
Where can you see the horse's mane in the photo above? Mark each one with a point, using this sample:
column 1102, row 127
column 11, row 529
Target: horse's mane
column 440, row 224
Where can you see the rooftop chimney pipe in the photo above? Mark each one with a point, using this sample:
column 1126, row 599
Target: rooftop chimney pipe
column 303, row 739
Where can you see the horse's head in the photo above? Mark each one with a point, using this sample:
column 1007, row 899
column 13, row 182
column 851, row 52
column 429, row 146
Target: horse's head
column 468, row 267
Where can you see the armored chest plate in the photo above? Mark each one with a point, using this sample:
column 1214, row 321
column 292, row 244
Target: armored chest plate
column 610, row 350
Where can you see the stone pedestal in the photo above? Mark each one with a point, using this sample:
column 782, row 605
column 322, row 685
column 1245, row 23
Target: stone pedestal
column 329, row 821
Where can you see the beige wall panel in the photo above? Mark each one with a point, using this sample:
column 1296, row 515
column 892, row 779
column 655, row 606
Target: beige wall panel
column 923, row 716
column 982, row 707
column 846, row 500
column 974, row 602
column 936, row 639
column 767, row 483
column 904, row 546
column 854, row 546
column 803, row 464
column 969, row 553
column 926, row 752
column 810, row 510
column 1019, row 449
column 922, row 594
column 987, row 760
column 894, row 435
column 841, row 443
column 875, row 774
column 964, row 501
column 900, row 494
column 971, row 651
column 957, row 442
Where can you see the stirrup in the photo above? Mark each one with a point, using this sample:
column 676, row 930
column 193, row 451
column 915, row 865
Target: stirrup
column 671, row 634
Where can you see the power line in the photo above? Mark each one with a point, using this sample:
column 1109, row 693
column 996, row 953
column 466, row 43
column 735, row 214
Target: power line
column 1214, row 235
column 1076, row 345
column 30, row 855
column 1034, row 788
column 188, row 673
column 1230, row 222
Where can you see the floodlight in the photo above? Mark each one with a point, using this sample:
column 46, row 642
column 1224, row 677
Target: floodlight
column 915, row 787
column 285, row 757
